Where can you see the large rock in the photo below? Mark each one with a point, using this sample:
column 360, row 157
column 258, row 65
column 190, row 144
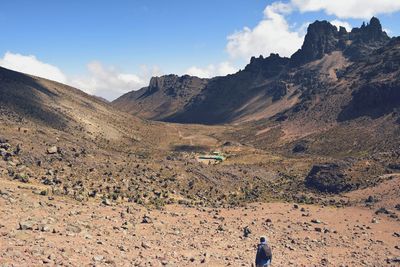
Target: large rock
column 329, row 178
column 300, row 148
column 26, row 225
column 321, row 38
column 52, row 150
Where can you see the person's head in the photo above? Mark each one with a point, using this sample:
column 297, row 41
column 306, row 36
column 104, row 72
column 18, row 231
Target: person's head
column 263, row 240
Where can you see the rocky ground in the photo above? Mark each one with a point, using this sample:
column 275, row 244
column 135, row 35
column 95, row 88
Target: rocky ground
column 38, row 229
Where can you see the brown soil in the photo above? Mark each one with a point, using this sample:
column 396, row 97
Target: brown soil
column 68, row 233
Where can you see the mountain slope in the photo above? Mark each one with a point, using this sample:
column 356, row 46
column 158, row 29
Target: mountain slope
column 81, row 146
column 58, row 106
column 335, row 101
column 293, row 114
column 273, row 85
column 74, row 144
column 163, row 97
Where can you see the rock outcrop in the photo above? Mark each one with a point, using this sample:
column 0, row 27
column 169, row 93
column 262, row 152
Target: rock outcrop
column 329, row 178
column 164, row 96
column 330, row 60
column 323, row 38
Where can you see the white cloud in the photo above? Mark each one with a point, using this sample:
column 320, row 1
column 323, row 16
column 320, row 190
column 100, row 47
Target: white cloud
column 211, row 70
column 359, row 9
column 31, row 65
column 344, row 24
column 104, row 81
column 389, row 32
column 110, row 83
column 272, row 35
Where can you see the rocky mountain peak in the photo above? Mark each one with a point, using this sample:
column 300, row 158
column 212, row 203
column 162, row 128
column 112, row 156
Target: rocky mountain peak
column 371, row 32
column 321, row 38
column 269, row 66
column 375, row 23
column 159, row 82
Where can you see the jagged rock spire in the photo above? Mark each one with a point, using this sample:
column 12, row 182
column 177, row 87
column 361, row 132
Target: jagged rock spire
column 323, row 38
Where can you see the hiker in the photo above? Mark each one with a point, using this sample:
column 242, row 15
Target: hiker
column 264, row 253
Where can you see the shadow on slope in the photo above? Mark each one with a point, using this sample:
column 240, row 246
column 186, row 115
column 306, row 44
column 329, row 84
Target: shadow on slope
column 22, row 93
column 372, row 100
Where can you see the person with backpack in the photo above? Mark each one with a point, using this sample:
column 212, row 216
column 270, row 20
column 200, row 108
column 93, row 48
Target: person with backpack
column 264, row 253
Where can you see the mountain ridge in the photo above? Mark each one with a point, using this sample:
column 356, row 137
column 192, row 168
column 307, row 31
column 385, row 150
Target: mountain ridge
column 263, row 82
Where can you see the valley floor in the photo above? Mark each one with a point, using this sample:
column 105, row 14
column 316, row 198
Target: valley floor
column 38, row 230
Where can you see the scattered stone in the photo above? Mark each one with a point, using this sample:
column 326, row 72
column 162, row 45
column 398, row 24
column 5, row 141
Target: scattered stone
column 22, row 177
column 146, row 219
column 316, row 221
column 44, row 228
column 393, row 260
column 246, row 231
column 300, row 148
column 107, row 202
column 98, row 258
column 26, row 225
column 370, row 199
column 52, row 150
column 74, row 229
column 382, row 210
column 127, row 225
column 145, row 245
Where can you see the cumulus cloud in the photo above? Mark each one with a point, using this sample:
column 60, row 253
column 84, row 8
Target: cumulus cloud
column 100, row 80
column 358, row 9
column 339, row 23
column 212, row 70
column 109, row 82
column 389, row 32
column 273, row 34
column 31, row 65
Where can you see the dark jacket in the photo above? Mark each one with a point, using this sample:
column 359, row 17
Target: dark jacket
column 264, row 254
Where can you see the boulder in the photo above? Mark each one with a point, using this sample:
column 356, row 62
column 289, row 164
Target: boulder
column 26, row 225
column 246, row 231
column 300, row 148
column 52, row 150
column 329, row 178
column 146, row 219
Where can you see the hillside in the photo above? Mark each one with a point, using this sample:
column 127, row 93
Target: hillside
column 80, row 146
column 163, row 97
column 329, row 60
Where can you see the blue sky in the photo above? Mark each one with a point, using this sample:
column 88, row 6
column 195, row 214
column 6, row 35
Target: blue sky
column 110, row 47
